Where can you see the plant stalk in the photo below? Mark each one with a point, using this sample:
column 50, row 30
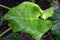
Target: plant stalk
column 33, row 1
column 4, row 6
column 5, row 31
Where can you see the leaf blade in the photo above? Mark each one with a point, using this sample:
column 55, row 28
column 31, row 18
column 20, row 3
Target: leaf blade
column 24, row 17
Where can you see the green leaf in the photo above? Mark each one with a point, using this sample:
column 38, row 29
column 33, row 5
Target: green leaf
column 24, row 17
column 1, row 19
column 56, row 29
column 12, row 36
column 56, row 24
column 56, row 16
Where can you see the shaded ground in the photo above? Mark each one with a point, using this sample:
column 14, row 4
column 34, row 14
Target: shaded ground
column 11, row 3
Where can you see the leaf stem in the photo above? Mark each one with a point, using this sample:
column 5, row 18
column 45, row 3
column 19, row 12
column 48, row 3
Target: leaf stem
column 4, row 6
column 33, row 1
column 5, row 31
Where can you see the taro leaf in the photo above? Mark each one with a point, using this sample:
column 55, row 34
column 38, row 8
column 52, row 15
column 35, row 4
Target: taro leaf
column 56, row 29
column 12, row 36
column 24, row 17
